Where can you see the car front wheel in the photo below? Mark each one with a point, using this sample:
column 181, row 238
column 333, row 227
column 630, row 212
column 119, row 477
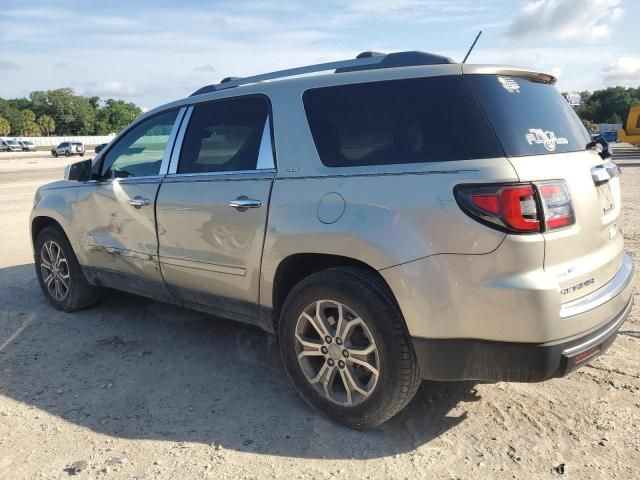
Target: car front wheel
column 54, row 153
column 59, row 274
column 345, row 346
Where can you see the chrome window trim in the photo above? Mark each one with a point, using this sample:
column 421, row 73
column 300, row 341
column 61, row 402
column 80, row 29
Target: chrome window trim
column 177, row 147
column 168, row 149
column 142, row 179
column 265, row 151
column 239, row 175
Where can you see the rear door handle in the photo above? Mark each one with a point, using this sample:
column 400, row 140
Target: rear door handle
column 138, row 201
column 243, row 203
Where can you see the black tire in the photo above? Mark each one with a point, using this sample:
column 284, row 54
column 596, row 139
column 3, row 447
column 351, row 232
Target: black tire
column 54, row 153
column 67, row 153
column 82, row 154
column 399, row 373
column 80, row 294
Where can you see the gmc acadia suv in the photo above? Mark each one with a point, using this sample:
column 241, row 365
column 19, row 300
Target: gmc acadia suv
column 400, row 218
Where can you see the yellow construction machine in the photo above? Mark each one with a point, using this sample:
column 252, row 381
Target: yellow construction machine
column 630, row 132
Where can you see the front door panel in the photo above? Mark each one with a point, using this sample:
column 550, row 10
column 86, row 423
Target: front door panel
column 119, row 242
column 120, row 237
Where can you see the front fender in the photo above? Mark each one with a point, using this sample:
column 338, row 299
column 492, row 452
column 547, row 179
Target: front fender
column 57, row 204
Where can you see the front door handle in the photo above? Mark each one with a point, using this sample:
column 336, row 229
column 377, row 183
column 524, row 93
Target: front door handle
column 138, row 201
column 243, row 203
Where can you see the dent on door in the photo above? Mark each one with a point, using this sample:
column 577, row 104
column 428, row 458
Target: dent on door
column 120, row 237
column 210, row 248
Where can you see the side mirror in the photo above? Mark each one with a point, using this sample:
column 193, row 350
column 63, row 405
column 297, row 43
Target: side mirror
column 78, row 171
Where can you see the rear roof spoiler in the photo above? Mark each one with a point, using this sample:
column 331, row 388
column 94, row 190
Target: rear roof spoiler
column 509, row 71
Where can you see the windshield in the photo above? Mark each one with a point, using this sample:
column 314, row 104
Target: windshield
column 529, row 118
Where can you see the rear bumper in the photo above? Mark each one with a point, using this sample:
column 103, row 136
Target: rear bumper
column 469, row 359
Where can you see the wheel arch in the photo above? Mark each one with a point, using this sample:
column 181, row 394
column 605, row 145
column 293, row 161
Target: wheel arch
column 296, row 267
column 41, row 222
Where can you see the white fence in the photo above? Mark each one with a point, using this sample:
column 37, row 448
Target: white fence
column 55, row 141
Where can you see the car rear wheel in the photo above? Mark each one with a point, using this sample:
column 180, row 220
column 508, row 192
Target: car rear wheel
column 345, row 346
column 59, row 274
column 67, row 153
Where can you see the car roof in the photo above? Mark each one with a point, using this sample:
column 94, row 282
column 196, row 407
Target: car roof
column 367, row 67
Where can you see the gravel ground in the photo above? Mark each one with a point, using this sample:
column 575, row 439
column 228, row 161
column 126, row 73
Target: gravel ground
column 133, row 388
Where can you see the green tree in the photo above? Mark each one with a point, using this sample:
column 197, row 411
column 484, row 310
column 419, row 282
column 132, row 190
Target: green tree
column 47, row 124
column 115, row 115
column 5, row 126
column 609, row 105
column 14, row 117
column 30, row 129
column 74, row 114
column 66, row 113
column 28, row 116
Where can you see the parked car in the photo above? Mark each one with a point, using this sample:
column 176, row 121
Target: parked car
column 402, row 218
column 4, row 147
column 10, row 145
column 68, row 148
column 27, row 145
column 99, row 147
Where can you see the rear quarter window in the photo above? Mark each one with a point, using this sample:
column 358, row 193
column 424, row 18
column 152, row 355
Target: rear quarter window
column 529, row 117
column 432, row 119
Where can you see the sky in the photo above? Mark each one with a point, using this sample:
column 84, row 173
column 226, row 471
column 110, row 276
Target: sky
column 154, row 52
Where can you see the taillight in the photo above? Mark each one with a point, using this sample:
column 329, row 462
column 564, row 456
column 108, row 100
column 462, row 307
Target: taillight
column 558, row 211
column 516, row 208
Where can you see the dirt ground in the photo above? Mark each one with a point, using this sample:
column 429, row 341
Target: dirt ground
column 133, row 388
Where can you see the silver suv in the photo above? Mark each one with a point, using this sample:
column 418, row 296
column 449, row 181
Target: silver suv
column 401, row 218
column 68, row 148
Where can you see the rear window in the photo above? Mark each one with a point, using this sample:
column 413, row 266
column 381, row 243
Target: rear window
column 431, row 119
column 529, row 118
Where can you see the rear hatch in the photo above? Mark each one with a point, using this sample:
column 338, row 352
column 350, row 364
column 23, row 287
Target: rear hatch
column 545, row 141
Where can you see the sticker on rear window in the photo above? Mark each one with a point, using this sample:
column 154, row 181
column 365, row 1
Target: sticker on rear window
column 509, row 84
column 547, row 138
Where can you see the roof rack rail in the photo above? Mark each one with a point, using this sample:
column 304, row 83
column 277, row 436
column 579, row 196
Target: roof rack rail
column 364, row 61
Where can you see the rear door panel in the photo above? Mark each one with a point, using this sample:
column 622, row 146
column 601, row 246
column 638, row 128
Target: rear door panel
column 210, row 253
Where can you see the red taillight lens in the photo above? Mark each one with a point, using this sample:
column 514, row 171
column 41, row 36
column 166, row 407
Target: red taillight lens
column 488, row 203
column 519, row 208
column 515, row 207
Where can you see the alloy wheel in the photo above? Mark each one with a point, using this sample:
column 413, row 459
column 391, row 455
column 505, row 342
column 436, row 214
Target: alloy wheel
column 337, row 352
column 55, row 270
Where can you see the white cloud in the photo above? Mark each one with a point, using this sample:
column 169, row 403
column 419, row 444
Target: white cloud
column 581, row 20
column 623, row 71
column 113, row 87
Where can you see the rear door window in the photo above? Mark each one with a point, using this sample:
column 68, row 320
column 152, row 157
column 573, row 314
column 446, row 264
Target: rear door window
column 529, row 117
column 227, row 136
column 430, row 119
